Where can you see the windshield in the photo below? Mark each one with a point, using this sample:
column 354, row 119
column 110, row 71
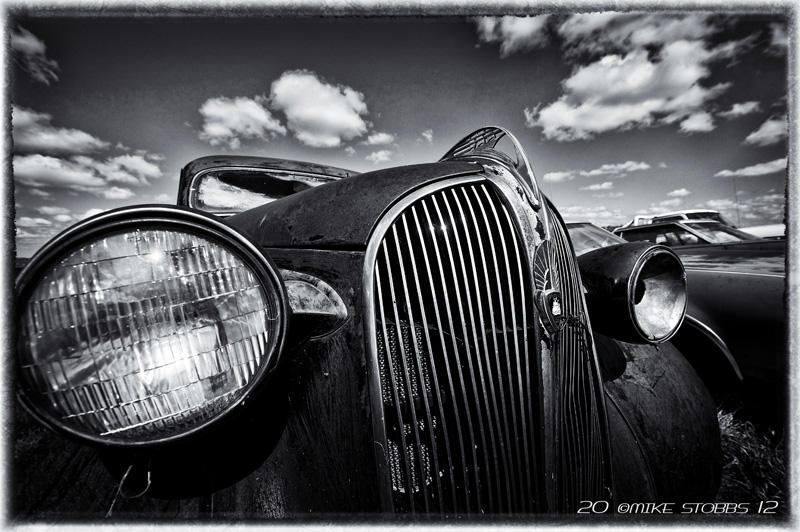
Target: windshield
column 710, row 215
column 232, row 191
column 719, row 233
column 586, row 237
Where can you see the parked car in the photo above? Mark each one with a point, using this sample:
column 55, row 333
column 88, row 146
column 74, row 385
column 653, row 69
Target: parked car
column 685, row 233
column 408, row 341
column 767, row 230
column 735, row 325
column 686, row 214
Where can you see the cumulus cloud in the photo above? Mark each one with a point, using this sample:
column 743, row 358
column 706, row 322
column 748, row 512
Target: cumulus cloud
column 701, row 122
column 379, row 139
column 83, row 174
column 645, row 70
column 741, row 109
column 163, row 198
column 32, row 132
column 609, row 195
column 62, row 218
column 661, row 207
column 350, row 151
column 772, row 131
column 559, row 177
column 428, row 135
column 617, row 169
column 49, row 210
column 230, row 120
column 90, row 213
column 678, row 193
column 770, row 167
column 380, row 156
column 756, row 210
column 608, row 169
column 319, row 114
column 515, row 34
column 606, row 185
column 27, row 221
column 30, row 53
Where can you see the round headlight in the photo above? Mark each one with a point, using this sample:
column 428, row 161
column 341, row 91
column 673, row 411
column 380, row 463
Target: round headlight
column 658, row 290
column 144, row 324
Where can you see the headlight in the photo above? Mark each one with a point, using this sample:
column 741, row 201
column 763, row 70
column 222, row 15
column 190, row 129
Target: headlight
column 635, row 291
column 144, row 324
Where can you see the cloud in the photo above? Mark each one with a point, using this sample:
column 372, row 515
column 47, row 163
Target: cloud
column 350, row 151
column 49, row 210
column 428, row 135
column 515, row 34
column 163, row 198
column 701, row 122
column 319, row 114
column 606, row 185
column 40, row 193
column 379, row 139
column 32, row 133
column 230, row 120
column 772, row 131
column 117, row 193
column 81, row 173
column 661, row 207
column 609, row 195
column 757, row 210
column 89, row 213
column 644, row 70
column 25, row 221
column 380, row 156
column 30, row 53
column 741, row 109
column 755, row 170
column 616, row 169
column 608, row 169
column 559, row 177
column 62, row 218
column 678, row 193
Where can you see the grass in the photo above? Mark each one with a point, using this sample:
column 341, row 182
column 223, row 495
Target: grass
column 754, row 462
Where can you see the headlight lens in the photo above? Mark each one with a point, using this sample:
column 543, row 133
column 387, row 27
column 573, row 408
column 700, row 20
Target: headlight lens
column 659, row 295
column 142, row 334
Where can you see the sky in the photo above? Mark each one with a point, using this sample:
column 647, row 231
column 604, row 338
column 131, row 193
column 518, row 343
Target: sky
column 619, row 113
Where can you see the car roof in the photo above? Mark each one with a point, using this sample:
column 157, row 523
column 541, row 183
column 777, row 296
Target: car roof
column 664, row 223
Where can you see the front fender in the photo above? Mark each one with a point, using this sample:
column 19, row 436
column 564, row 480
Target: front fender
column 662, row 417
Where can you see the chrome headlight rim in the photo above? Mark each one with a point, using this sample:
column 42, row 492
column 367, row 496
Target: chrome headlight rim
column 636, row 271
column 162, row 217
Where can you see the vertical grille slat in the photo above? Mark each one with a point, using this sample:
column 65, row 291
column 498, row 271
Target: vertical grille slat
column 582, row 458
column 418, row 357
column 457, row 366
column 482, row 288
column 420, row 475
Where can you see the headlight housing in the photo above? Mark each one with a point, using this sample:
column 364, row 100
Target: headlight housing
column 144, row 324
column 635, row 291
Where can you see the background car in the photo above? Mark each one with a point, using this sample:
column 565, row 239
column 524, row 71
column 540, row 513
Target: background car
column 410, row 341
column 686, row 214
column 735, row 325
column 685, row 233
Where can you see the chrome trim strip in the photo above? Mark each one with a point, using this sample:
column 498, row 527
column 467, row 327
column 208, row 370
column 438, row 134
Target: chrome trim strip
column 378, row 416
column 418, row 358
column 728, row 272
column 719, row 342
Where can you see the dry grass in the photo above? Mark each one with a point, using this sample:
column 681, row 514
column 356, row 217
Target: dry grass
column 754, row 462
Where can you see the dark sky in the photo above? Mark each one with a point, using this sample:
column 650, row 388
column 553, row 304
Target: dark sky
column 619, row 114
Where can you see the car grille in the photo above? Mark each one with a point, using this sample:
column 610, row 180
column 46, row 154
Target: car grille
column 457, row 374
column 579, row 414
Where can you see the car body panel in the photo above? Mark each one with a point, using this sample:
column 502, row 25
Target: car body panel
column 313, row 219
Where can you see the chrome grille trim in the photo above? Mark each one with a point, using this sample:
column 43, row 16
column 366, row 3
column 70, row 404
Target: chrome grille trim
column 496, row 467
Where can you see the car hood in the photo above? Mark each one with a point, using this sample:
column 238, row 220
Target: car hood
column 341, row 214
column 767, row 257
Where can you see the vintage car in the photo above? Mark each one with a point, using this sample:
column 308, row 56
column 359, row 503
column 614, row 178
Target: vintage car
column 685, row 233
column 414, row 341
column 735, row 326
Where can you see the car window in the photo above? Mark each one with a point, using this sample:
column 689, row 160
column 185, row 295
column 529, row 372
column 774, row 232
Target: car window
column 648, row 234
column 718, row 233
column 231, row 191
column 586, row 237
